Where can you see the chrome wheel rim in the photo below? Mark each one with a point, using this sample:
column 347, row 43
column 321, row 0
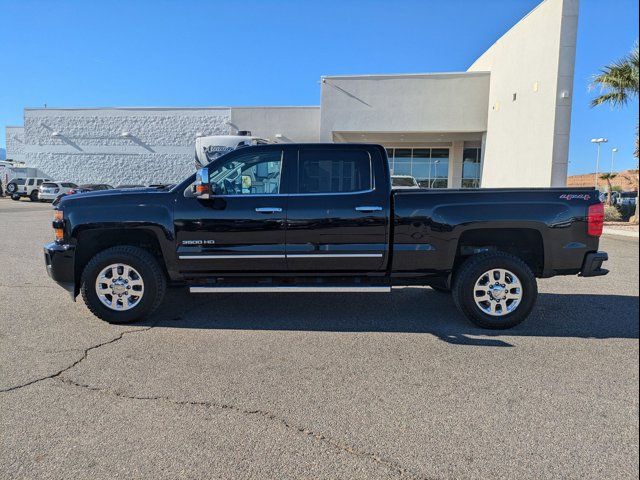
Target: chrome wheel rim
column 119, row 287
column 497, row 292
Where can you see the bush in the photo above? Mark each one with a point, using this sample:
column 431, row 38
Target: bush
column 611, row 214
column 626, row 211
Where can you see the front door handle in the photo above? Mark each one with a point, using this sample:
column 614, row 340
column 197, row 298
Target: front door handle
column 367, row 208
column 268, row 209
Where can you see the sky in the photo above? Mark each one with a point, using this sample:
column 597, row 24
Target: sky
column 220, row 53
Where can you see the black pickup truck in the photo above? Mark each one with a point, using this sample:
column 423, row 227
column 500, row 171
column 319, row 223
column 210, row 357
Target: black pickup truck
column 320, row 218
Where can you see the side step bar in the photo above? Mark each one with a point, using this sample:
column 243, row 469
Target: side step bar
column 291, row 289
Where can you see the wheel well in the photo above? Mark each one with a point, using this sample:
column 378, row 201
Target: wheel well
column 524, row 243
column 91, row 242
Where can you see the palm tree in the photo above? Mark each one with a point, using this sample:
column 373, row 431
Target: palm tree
column 619, row 84
column 608, row 177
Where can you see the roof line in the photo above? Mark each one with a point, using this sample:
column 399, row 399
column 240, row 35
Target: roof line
column 167, row 108
column 401, row 75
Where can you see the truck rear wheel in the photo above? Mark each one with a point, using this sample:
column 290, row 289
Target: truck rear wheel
column 123, row 284
column 34, row 196
column 495, row 290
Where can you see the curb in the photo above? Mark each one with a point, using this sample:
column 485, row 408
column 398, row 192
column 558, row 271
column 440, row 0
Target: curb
column 621, row 233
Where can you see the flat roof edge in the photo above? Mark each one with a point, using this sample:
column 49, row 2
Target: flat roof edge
column 160, row 109
column 410, row 75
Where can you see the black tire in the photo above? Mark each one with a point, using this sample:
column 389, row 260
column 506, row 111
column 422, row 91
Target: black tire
column 15, row 197
column 150, row 271
column 34, row 196
column 12, row 187
column 473, row 268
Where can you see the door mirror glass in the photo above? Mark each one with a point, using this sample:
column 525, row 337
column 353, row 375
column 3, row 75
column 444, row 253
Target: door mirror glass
column 202, row 186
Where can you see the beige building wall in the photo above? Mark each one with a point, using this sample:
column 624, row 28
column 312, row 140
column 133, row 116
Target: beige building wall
column 279, row 124
column 529, row 114
column 421, row 103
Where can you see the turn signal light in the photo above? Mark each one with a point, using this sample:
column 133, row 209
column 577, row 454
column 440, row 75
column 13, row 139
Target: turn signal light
column 202, row 189
column 58, row 218
column 595, row 220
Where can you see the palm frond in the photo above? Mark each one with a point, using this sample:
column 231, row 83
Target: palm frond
column 618, row 82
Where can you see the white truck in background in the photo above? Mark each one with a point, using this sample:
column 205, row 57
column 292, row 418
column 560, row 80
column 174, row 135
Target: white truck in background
column 12, row 173
column 211, row 147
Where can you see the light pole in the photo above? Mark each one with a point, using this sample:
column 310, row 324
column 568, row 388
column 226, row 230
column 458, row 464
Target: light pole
column 598, row 141
column 613, row 156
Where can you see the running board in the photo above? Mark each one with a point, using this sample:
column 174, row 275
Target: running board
column 291, row 289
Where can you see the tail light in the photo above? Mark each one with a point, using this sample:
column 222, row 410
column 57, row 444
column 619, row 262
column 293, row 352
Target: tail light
column 72, row 191
column 595, row 220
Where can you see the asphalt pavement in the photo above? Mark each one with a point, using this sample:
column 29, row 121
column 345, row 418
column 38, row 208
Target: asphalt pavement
column 314, row 386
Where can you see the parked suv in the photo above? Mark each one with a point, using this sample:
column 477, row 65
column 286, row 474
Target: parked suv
column 26, row 187
column 90, row 187
column 50, row 190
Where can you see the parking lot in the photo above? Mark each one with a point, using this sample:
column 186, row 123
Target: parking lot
column 314, row 386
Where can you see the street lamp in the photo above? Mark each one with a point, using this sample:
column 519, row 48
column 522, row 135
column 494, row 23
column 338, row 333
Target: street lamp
column 613, row 156
column 598, row 141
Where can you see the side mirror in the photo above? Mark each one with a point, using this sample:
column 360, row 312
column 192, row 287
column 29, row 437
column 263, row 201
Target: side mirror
column 203, row 187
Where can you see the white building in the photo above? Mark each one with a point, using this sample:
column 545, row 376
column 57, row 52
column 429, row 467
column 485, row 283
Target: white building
column 502, row 123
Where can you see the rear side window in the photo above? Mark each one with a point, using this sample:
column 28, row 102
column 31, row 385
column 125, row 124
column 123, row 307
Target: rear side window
column 19, row 181
column 333, row 171
column 39, row 181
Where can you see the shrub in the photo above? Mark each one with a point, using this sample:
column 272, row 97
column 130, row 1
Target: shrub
column 611, row 214
column 626, row 211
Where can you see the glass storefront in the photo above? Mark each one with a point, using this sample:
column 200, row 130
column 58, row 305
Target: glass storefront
column 471, row 167
column 429, row 166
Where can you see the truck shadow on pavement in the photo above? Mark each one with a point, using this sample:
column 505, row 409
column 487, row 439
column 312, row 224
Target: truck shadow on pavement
column 410, row 310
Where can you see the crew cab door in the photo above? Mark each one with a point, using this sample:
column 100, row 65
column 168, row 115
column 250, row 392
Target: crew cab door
column 338, row 213
column 241, row 228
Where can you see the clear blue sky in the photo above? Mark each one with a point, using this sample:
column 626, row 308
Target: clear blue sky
column 204, row 53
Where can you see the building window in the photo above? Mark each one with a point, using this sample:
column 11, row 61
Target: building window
column 429, row 166
column 471, row 167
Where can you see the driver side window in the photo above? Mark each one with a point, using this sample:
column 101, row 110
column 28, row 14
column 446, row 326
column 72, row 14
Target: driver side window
column 249, row 174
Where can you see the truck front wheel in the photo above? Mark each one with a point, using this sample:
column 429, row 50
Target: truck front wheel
column 495, row 290
column 123, row 284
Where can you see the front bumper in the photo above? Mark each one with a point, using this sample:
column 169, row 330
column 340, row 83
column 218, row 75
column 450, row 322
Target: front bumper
column 592, row 265
column 59, row 261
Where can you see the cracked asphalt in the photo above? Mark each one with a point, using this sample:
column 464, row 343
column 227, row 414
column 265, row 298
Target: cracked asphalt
column 324, row 386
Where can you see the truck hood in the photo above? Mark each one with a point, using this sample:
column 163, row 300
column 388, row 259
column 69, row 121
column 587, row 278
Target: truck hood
column 118, row 197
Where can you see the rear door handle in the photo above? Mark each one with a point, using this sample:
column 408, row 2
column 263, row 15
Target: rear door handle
column 367, row 208
column 268, row 209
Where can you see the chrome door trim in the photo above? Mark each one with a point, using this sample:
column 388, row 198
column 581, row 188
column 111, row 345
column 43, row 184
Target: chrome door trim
column 334, row 255
column 291, row 255
column 231, row 256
